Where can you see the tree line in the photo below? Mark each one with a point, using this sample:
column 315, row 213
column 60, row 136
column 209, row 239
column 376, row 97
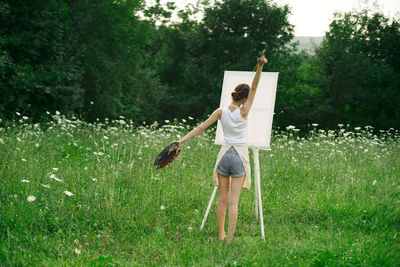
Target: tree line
column 104, row 59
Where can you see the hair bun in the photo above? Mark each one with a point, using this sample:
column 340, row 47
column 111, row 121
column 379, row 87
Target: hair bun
column 241, row 91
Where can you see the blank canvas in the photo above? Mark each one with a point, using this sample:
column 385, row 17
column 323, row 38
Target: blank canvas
column 262, row 111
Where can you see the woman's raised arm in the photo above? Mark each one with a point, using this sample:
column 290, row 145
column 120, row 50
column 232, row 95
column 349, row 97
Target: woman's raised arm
column 245, row 109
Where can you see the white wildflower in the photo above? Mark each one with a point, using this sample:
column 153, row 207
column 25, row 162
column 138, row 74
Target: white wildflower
column 190, row 118
column 24, row 160
column 105, row 137
column 31, row 198
column 166, row 121
column 357, row 128
column 94, row 179
column 290, row 127
column 340, row 125
column 77, row 251
column 19, row 114
column 58, row 113
column 53, row 176
column 1, row 141
column 190, row 229
column 68, row 193
column 162, row 207
column 183, row 120
column 25, row 181
column 57, row 179
column 374, row 182
column 55, row 169
column 315, row 124
column 37, row 145
column 91, row 103
column 19, row 140
column 45, row 185
column 25, row 117
column 86, row 168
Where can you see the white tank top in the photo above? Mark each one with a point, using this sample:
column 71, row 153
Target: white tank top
column 233, row 126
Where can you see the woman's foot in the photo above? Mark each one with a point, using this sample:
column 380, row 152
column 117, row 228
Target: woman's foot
column 222, row 237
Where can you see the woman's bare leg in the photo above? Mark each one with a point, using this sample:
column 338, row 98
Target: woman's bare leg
column 236, row 188
column 223, row 184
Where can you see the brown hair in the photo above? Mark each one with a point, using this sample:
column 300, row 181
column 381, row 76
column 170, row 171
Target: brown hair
column 241, row 91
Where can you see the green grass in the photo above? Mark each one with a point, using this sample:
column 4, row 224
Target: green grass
column 329, row 198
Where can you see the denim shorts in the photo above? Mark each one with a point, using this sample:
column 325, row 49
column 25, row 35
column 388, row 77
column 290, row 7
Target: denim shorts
column 231, row 164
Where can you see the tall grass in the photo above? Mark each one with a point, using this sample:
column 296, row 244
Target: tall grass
column 329, row 197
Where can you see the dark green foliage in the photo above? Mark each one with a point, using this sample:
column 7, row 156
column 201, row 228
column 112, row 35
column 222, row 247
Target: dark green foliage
column 81, row 57
column 236, row 32
column 357, row 77
column 113, row 38
column 101, row 59
column 39, row 70
column 230, row 37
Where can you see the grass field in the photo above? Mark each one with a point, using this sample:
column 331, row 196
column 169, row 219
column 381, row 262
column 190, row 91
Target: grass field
column 87, row 194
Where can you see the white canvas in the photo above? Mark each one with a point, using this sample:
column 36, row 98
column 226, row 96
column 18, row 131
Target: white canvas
column 262, row 111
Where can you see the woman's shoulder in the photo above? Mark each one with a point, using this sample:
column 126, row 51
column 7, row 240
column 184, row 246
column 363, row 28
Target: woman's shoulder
column 242, row 114
column 218, row 112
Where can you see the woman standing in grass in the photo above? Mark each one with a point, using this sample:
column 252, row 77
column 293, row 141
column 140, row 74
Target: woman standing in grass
column 232, row 167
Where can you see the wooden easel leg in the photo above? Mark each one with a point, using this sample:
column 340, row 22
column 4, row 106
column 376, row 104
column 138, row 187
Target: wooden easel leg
column 258, row 189
column 256, row 196
column 208, row 208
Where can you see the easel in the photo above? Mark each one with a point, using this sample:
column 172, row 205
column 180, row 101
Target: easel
column 257, row 194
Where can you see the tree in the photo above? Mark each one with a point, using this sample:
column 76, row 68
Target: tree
column 85, row 58
column 235, row 32
column 39, row 70
column 230, row 36
column 113, row 39
column 358, row 77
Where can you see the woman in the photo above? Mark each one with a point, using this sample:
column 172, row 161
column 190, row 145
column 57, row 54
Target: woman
column 232, row 166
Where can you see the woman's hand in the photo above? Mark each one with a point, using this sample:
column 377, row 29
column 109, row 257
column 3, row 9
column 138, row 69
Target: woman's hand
column 179, row 144
column 262, row 60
